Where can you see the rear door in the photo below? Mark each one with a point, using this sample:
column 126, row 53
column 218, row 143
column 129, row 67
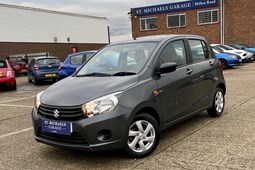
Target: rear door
column 75, row 61
column 202, row 66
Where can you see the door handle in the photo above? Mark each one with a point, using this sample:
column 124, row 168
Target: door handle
column 189, row 71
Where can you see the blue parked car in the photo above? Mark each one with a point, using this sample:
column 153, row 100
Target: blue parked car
column 227, row 60
column 72, row 62
column 43, row 68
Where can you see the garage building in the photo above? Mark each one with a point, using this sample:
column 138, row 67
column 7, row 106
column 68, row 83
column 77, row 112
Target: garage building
column 28, row 31
column 220, row 21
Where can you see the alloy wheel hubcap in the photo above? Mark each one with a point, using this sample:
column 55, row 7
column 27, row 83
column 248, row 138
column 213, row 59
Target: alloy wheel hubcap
column 141, row 136
column 219, row 101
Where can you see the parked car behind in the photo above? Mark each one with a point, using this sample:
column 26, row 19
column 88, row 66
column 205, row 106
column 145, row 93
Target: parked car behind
column 7, row 75
column 43, row 68
column 226, row 49
column 72, row 62
column 244, row 47
column 156, row 83
column 228, row 60
column 19, row 67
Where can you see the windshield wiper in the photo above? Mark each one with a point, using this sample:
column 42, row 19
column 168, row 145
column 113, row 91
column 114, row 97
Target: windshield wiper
column 94, row 74
column 123, row 73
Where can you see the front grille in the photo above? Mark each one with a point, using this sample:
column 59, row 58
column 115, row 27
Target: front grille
column 75, row 138
column 65, row 113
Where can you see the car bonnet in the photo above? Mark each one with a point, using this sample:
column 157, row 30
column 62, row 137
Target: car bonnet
column 74, row 91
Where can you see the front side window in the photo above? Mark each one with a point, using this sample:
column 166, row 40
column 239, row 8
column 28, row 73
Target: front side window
column 199, row 51
column 177, row 20
column 118, row 59
column 174, row 52
column 148, row 23
column 208, row 17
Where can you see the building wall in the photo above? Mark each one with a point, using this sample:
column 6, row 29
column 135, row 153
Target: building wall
column 60, row 50
column 210, row 31
column 240, row 21
column 24, row 24
column 239, row 24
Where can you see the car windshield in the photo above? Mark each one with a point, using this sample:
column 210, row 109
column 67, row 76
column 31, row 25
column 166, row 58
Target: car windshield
column 3, row 64
column 118, row 60
column 225, row 47
column 217, row 48
column 47, row 61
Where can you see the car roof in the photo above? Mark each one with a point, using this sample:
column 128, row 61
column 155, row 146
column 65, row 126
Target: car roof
column 83, row 52
column 159, row 38
column 44, row 57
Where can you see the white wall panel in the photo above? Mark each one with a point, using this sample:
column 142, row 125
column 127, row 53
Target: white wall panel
column 20, row 24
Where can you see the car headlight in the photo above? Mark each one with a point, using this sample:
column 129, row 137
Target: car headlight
column 232, row 57
column 101, row 105
column 38, row 99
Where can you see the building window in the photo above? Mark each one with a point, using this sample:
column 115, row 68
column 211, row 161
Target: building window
column 208, row 17
column 176, row 20
column 148, row 23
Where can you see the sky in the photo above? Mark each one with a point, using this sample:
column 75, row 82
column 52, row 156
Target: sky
column 115, row 10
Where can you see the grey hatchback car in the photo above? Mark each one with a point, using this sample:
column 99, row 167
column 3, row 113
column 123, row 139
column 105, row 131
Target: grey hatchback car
column 129, row 92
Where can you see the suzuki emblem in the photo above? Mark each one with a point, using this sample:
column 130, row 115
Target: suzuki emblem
column 56, row 113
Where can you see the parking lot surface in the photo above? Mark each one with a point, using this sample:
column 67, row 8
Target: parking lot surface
column 227, row 142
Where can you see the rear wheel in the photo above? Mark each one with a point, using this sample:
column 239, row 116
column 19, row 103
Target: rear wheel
column 218, row 103
column 14, row 87
column 36, row 82
column 224, row 64
column 143, row 136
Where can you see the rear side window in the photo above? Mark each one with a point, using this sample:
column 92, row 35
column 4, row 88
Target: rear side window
column 47, row 61
column 77, row 59
column 199, row 50
column 3, row 64
column 174, row 52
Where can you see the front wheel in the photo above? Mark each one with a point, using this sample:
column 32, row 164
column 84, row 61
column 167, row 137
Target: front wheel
column 218, row 103
column 143, row 136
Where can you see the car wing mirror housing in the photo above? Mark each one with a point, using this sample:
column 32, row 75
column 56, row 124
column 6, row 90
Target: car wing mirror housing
column 167, row 67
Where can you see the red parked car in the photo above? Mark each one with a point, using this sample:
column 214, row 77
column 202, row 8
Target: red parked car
column 7, row 75
column 19, row 67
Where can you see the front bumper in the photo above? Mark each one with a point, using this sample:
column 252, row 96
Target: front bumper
column 102, row 132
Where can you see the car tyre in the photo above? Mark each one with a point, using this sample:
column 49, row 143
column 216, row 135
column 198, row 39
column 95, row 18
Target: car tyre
column 143, row 136
column 224, row 64
column 14, row 87
column 36, row 82
column 218, row 103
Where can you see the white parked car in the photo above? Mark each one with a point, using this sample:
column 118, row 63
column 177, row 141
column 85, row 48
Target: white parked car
column 226, row 49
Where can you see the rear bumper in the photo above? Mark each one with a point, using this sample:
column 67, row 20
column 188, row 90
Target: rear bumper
column 9, row 81
column 40, row 76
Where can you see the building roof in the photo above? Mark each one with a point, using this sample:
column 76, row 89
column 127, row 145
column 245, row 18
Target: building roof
column 50, row 11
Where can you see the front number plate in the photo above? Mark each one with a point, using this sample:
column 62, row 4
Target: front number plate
column 57, row 127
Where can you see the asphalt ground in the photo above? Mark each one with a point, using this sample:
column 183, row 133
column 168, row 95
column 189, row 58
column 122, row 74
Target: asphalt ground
column 201, row 142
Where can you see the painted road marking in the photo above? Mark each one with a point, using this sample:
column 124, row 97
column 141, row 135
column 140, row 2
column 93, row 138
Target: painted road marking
column 11, row 105
column 15, row 133
column 7, row 101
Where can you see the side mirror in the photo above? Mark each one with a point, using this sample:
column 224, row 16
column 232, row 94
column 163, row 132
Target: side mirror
column 167, row 67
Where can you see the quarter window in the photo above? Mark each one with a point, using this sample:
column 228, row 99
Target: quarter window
column 174, row 52
column 208, row 17
column 199, row 50
column 148, row 23
column 177, row 20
